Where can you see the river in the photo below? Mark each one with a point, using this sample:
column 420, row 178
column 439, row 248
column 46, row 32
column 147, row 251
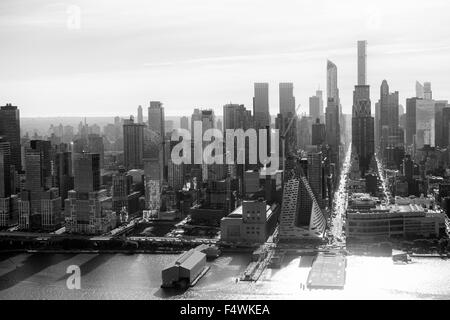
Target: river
column 118, row 276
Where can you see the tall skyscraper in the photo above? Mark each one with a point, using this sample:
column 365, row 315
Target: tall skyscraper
column 140, row 117
column 88, row 209
column 318, row 133
column 287, row 99
column 261, row 105
column 5, row 169
column 133, row 143
column 184, row 123
column 39, row 203
column 319, row 94
column 427, row 93
column 156, row 119
column 446, row 126
column 389, row 118
column 87, row 172
column 333, row 114
column 362, row 121
column 10, row 131
column 63, row 171
column 332, row 82
column 419, row 90
column 440, row 134
column 362, row 63
column 314, row 107
column 333, row 130
column 236, row 116
column 411, row 108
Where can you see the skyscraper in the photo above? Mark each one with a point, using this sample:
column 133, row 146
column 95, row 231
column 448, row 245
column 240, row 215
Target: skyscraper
column 184, row 123
column 64, row 177
column 133, row 143
column 419, row 90
column 332, row 114
column 156, row 118
column 362, row 121
column 140, row 117
column 5, row 169
column 319, row 94
column 39, row 204
column 10, row 131
column 314, row 107
column 261, row 105
column 427, row 93
column 332, row 84
column 287, row 99
column 362, row 63
column 87, row 172
column 88, row 209
column 236, row 116
column 389, row 117
column 318, row 133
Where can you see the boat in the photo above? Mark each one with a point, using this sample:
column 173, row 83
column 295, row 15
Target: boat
column 212, row 251
column 401, row 258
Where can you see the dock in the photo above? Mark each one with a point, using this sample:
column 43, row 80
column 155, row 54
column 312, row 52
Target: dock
column 328, row 271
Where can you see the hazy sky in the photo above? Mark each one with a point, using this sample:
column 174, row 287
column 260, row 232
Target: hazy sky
column 76, row 58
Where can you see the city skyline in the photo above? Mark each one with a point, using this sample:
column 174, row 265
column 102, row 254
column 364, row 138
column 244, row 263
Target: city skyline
column 64, row 78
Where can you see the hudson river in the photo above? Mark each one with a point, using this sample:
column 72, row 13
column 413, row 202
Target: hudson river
column 117, row 276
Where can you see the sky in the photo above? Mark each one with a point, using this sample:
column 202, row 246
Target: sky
column 106, row 57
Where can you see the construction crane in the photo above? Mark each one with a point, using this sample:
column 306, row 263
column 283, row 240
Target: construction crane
column 283, row 138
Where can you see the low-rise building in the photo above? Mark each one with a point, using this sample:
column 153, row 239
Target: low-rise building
column 368, row 220
column 253, row 222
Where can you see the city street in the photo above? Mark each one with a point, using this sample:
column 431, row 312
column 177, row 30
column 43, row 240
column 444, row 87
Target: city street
column 340, row 203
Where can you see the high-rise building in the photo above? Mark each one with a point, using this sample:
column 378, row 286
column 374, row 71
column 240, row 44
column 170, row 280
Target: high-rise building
column 219, row 124
column 362, row 63
column 261, row 106
column 156, row 119
column 333, row 114
column 319, row 94
column 420, row 122
column 10, row 131
column 287, row 99
column 441, row 133
column 333, row 131
column 411, row 107
column 332, row 84
column 133, row 143
column 140, row 117
column 446, row 126
column 314, row 107
column 315, row 176
column 318, row 133
column 5, row 169
column 419, row 90
column 236, row 116
column 388, row 127
column 95, row 145
column 301, row 216
column 362, row 121
column 88, row 209
column 427, row 93
column 175, row 175
column 63, row 171
column 123, row 196
column 39, row 203
column 184, row 123
column 87, row 172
